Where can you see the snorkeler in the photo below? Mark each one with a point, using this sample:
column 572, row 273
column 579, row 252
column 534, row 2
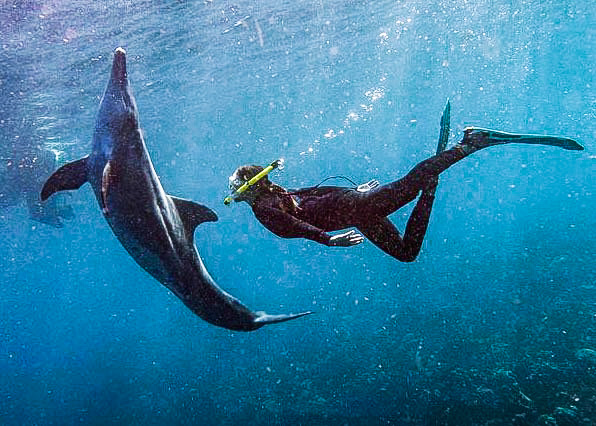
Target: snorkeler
column 313, row 212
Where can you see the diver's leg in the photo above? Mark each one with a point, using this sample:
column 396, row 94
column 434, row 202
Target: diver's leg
column 386, row 199
column 476, row 139
column 386, row 236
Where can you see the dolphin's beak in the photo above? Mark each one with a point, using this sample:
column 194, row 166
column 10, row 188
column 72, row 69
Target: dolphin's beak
column 119, row 66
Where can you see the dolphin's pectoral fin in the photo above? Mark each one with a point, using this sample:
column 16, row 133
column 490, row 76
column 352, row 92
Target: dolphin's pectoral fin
column 193, row 214
column 106, row 180
column 69, row 176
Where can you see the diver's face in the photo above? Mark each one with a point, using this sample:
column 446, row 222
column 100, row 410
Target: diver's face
column 235, row 182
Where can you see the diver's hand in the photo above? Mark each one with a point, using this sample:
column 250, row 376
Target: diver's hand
column 365, row 187
column 347, row 239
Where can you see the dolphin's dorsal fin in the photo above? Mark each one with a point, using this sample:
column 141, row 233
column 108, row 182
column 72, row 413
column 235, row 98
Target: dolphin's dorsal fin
column 193, row 214
column 69, row 176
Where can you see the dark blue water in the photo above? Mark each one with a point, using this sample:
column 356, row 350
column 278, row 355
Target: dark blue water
column 493, row 324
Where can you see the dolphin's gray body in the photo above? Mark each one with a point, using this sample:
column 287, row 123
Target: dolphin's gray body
column 155, row 228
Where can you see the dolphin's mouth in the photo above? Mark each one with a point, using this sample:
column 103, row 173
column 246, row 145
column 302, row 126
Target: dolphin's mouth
column 119, row 66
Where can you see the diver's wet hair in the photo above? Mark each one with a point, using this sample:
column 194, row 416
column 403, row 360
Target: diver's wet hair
column 247, row 172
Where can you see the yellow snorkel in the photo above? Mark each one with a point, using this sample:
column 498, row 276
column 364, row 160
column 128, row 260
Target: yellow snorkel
column 277, row 163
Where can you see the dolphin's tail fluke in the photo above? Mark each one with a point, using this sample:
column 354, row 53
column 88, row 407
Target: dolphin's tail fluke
column 481, row 138
column 264, row 319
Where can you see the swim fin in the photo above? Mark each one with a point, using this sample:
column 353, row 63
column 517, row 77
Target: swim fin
column 482, row 138
column 445, row 127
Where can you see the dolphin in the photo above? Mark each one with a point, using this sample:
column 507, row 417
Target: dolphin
column 155, row 228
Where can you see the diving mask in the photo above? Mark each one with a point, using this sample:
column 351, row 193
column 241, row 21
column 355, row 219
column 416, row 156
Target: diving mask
column 238, row 186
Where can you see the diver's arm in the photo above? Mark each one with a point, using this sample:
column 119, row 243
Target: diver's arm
column 285, row 225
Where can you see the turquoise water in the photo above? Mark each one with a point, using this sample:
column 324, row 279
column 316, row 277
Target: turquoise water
column 494, row 322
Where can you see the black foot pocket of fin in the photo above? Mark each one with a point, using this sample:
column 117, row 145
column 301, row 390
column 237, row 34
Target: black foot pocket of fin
column 69, row 176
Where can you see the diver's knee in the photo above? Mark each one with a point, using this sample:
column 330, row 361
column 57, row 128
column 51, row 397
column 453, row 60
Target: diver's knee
column 406, row 257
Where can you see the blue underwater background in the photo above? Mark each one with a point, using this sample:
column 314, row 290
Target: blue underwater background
column 494, row 323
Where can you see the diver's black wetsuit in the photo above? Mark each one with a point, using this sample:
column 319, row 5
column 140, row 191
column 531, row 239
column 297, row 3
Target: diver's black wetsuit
column 318, row 210
column 312, row 212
